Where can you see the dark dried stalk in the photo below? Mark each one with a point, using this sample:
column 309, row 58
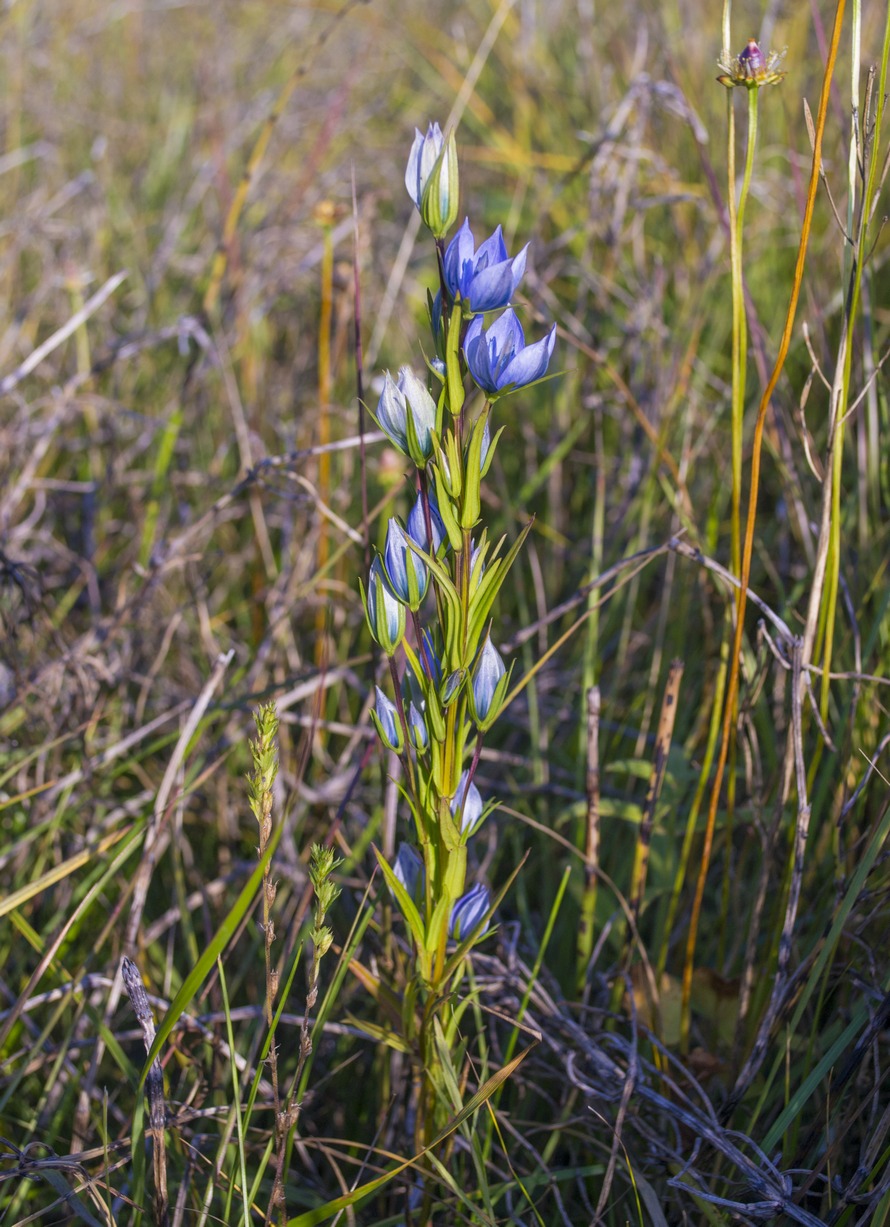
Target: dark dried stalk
column 154, row 1087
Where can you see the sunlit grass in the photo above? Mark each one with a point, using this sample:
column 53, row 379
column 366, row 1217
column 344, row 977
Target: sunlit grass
column 161, row 507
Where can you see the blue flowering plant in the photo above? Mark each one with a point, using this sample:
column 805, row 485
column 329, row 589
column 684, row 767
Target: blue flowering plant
column 431, row 590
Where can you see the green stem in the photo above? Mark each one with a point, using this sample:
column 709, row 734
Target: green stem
column 739, row 318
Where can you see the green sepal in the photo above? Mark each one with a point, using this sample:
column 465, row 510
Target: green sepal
column 452, row 625
column 497, row 700
column 396, row 444
column 483, row 598
column 433, row 708
column 415, row 451
column 375, row 720
column 448, row 461
column 438, row 922
column 478, row 561
column 471, row 506
column 380, row 632
column 489, row 455
column 446, row 510
column 438, row 208
column 450, row 834
column 453, row 378
column 415, row 594
column 451, row 686
column 406, row 904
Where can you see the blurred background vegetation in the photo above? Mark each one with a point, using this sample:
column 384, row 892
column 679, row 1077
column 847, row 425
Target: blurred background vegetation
column 145, row 533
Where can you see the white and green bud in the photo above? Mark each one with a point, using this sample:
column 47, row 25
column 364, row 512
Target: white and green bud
column 488, row 686
column 387, row 723
column 384, row 611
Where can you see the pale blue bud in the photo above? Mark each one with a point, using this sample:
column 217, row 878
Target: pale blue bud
column 469, row 911
column 385, row 613
column 407, row 573
column 408, row 869
column 416, row 525
column 429, row 657
column 386, row 720
column 431, row 178
column 466, row 804
column 487, row 682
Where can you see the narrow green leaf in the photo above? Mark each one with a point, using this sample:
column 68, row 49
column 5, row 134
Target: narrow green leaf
column 201, row 970
column 404, row 900
column 320, row 1213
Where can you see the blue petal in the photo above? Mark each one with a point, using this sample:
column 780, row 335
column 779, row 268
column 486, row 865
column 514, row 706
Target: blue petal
column 506, row 335
column 412, row 171
column 529, row 364
column 519, row 265
column 491, row 251
column 476, row 354
column 492, row 287
column 408, row 869
column 472, row 807
column 458, row 262
column 416, row 525
column 388, row 717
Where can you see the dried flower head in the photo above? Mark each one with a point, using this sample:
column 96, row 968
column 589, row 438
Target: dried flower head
column 751, row 68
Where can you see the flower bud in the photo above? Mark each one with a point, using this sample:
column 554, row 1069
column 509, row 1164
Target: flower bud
column 409, row 870
column 488, row 686
column 432, row 665
column 469, row 912
column 431, row 178
column 407, row 414
column 407, row 574
column 417, row 729
column 416, row 525
column 385, row 613
column 387, row 723
column 466, row 804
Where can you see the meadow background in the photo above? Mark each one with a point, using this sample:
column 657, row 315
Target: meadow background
column 175, row 549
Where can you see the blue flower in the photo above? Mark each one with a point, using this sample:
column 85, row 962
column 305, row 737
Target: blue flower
column 468, row 912
column 416, row 525
column 466, row 804
column 499, row 359
column 485, row 279
column 407, row 573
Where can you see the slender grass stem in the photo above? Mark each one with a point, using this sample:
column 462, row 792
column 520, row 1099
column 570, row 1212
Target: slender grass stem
column 754, row 489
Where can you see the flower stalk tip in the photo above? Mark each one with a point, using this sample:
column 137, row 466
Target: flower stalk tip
column 751, row 69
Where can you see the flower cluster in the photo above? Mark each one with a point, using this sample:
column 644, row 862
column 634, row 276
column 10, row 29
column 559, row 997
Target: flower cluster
column 432, row 585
